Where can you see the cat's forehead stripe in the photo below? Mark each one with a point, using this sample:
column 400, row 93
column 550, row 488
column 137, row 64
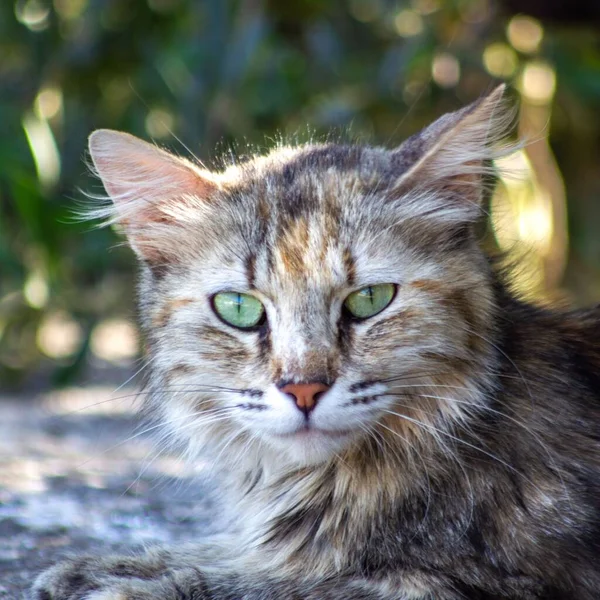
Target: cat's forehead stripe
column 251, row 269
column 343, row 158
column 350, row 267
column 292, row 247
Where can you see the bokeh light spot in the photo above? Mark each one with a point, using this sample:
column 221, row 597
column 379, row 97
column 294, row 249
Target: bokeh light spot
column 525, row 33
column 159, row 123
column 36, row 290
column 408, row 23
column 114, row 340
column 538, row 82
column 445, row 70
column 48, row 103
column 43, row 149
column 425, row 7
column 59, row 335
column 500, row 60
column 33, row 14
column 69, row 10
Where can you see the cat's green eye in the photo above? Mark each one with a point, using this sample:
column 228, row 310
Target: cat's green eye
column 370, row 300
column 240, row 310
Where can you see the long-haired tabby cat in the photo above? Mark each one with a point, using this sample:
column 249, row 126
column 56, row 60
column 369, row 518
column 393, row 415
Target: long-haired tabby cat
column 391, row 423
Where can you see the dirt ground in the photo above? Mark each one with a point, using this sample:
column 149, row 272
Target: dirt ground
column 78, row 473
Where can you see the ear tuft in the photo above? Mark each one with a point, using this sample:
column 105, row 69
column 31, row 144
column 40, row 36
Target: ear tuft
column 150, row 188
column 455, row 152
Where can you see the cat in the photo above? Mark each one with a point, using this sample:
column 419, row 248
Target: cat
column 389, row 421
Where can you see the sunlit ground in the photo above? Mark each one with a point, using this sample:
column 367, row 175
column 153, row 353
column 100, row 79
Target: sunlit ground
column 92, row 432
column 79, row 472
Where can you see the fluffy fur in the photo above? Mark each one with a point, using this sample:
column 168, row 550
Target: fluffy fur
column 456, row 453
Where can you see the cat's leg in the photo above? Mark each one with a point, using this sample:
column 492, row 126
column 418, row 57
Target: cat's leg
column 75, row 576
column 155, row 577
column 98, row 577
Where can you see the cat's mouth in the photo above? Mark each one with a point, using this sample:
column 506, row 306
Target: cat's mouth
column 309, row 432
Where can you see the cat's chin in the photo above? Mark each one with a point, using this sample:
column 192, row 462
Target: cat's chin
column 314, row 434
column 311, row 446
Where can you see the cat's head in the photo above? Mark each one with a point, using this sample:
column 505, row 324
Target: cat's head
column 314, row 296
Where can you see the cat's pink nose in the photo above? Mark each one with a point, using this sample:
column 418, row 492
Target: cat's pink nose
column 305, row 395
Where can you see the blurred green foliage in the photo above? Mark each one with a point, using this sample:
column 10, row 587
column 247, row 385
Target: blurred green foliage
column 210, row 75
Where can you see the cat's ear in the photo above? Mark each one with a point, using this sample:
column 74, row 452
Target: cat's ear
column 152, row 191
column 453, row 153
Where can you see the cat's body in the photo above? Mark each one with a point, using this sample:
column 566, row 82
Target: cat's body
column 444, row 446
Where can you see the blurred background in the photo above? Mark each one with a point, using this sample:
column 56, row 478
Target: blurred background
column 220, row 75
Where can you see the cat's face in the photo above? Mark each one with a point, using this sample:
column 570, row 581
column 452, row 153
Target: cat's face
column 311, row 297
